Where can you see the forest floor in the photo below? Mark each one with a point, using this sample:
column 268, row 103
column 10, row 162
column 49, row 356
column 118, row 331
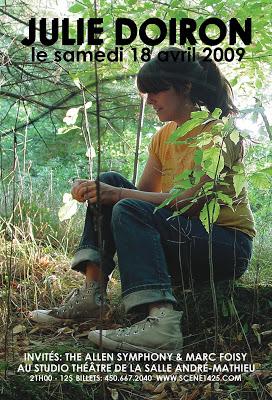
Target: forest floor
column 40, row 277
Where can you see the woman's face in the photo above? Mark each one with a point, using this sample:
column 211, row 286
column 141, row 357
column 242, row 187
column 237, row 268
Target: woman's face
column 170, row 105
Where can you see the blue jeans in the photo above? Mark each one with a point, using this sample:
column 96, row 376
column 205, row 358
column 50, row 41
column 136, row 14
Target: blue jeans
column 155, row 253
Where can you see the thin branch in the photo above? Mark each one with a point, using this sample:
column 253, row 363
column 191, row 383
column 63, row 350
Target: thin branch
column 264, row 117
column 30, row 100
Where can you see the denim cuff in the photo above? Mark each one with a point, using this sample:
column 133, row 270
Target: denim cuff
column 147, row 296
column 83, row 256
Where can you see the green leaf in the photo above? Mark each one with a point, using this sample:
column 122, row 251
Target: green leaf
column 183, row 180
column 234, row 81
column 200, row 20
column 231, row 308
column 183, row 184
column 184, row 129
column 181, row 211
column 212, row 161
column 235, row 136
column 216, row 113
column 204, row 139
column 267, row 170
column 3, row 365
column 183, row 175
column 197, row 175
column 77, row 82
column 208, row 186
column 239, row 169
column 261, row 180
column 198, row 156
column 258, row 83
column 245, row 328
column 174, row 194
column 239, row 181
column 209, row 214
column 225, row 311
column 225, row 198
column 148, row 5
column 179, row 14
column 77, row 8
column 199, row 114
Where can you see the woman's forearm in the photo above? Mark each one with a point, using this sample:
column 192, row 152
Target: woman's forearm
column 157, row 198
column 181, row 201
column 151, row 197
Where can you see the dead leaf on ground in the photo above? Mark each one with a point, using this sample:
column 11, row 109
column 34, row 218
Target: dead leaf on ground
column 269, row 388
column 149, row 387
column 160, row 396
column 261, row 374
column 194, row 395
column 43, row 261
column 177, row 389
column 182, row 390
column 65, row 330
column 266, row 333
column 114, row 393
column 35, row 329
column 160, row 387
column 18, row 329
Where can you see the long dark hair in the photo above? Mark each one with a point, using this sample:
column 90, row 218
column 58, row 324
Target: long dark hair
column 209, row 86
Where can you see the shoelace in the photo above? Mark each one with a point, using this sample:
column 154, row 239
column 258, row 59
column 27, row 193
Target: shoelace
column 131, row 329
column 76, row 291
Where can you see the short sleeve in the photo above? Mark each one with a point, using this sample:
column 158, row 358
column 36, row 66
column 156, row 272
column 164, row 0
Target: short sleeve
column 154, row 146
column 151, row 146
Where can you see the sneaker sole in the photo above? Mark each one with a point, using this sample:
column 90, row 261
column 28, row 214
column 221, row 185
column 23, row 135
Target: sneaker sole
column 94, row 337
column 43, row 318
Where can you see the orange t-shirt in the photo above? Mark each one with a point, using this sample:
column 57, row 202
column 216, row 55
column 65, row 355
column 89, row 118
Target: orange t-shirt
column 176, row 158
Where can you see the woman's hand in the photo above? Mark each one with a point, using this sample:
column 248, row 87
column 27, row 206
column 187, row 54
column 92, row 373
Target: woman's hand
column 75, row 189
column 83, row 190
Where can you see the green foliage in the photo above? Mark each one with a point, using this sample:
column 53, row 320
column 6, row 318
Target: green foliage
column 39, row 159
column 209, row 162
column 212, row 161
column 53, row 149
column 235, row 136
column 198, row 118
column 262, row 179
column 239, row 183
column 209, row 214
column 20, row 387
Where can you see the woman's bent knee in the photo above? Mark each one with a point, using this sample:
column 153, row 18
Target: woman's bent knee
column 110, row 177
column 115, row 179
column 132, row 209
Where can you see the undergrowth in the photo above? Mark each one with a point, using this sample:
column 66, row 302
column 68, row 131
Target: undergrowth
column 40, row 277
column 35, row 252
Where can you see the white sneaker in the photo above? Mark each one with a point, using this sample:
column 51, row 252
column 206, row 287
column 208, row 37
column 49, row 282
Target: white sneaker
column 157, row 333
column 80, row 305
